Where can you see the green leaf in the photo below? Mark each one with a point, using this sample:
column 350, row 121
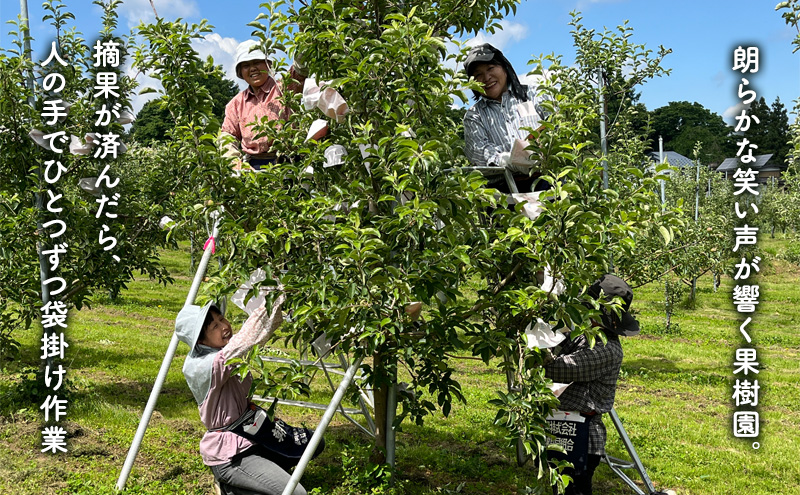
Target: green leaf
column 665, row 234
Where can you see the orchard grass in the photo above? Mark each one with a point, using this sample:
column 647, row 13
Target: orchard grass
column 674, row 398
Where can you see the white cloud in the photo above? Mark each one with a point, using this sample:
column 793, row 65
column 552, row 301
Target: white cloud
column 729, row 114
column 452, row 49
column 137, row 100
column 719, row 79
column 222, row 50
column 136, row 11
column 510, row 31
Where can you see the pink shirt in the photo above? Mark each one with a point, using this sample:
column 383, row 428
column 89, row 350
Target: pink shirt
column 226, row 401
column 227, row 396
column 248, row 107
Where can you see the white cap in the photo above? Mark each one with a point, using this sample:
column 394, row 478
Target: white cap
column 246, row 51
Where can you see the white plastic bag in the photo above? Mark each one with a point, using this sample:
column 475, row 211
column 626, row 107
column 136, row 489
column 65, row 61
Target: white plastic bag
column 541, row 335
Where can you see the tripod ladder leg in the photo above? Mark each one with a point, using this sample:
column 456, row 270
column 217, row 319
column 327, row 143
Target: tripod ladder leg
column 617, row 465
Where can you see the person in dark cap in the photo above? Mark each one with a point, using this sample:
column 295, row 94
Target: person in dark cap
column 500, row 114
column 593, row 373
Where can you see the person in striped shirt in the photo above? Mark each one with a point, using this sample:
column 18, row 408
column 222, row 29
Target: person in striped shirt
column 501, row 114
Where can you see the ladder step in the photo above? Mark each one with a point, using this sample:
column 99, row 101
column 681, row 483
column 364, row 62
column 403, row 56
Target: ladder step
column 304, row 362
column 336, row 369
column 621, row 463
column 307, row 405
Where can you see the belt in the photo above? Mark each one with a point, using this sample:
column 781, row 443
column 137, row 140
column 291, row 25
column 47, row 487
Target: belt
column 246, row 416
column 262, row 156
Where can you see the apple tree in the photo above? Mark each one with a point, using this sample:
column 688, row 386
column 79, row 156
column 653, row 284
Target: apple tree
column 360, row 245
column 27, row 227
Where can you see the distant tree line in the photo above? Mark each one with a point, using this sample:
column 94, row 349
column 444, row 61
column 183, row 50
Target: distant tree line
column 683, row 124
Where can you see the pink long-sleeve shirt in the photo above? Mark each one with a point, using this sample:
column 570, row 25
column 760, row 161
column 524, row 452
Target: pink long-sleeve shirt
column 249, row 107
column 226, row 401
column 228, row 396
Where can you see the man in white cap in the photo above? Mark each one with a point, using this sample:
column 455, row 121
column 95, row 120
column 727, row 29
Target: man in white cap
column 260, row 99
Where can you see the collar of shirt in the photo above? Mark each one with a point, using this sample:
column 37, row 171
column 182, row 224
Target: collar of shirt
column 263, row 92
column 503, row 99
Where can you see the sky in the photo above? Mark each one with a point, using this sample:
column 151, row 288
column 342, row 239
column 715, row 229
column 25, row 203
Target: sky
column 702, row 34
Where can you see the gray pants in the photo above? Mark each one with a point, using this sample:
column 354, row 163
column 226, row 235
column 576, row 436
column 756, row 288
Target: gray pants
column 253, row 474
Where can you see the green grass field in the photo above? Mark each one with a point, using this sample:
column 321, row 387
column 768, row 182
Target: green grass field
column 674, row 398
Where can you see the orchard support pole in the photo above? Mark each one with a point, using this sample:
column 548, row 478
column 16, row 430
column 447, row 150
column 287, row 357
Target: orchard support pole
column 44, row 267
column 696, row 217
column 162, row 374
column 603, row 140
column 663, row 205
column 391, row 413
column 316, row 438
column 697, row 194
column 604, row 151
column 661, row 160
column 26, row 44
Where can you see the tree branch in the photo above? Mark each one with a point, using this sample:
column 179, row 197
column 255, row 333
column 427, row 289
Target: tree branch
column 479, row 306
column 154, row 8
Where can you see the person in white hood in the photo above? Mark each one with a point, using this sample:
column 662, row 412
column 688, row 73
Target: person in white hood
column 240, row 466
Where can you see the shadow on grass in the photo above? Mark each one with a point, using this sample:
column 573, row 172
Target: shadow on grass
column 664, row 369
column 427, row 459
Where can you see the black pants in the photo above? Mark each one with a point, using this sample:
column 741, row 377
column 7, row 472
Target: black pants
column 256, row 163
column 581, row 483
column 524, row 183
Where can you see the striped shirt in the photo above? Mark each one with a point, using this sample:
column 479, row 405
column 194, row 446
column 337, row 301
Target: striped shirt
column 491, row 126
column 593, row 373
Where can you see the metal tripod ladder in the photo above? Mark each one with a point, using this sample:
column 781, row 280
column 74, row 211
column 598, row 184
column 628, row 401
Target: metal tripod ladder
column 617, row 465
column 322, row 348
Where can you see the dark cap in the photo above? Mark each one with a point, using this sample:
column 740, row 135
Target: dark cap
column 480, row 54
column 485, row 53
column 612, row 286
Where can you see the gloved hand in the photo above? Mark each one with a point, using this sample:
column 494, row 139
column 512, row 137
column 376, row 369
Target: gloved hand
column 299, row 66
column 505, row 159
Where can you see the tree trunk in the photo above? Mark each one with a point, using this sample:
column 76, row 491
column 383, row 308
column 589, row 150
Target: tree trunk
column 669, row 318
column 381, row 394
column 191, row 252
column 667, row 303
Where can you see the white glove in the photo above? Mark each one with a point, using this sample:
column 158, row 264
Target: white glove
column 505, row 159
